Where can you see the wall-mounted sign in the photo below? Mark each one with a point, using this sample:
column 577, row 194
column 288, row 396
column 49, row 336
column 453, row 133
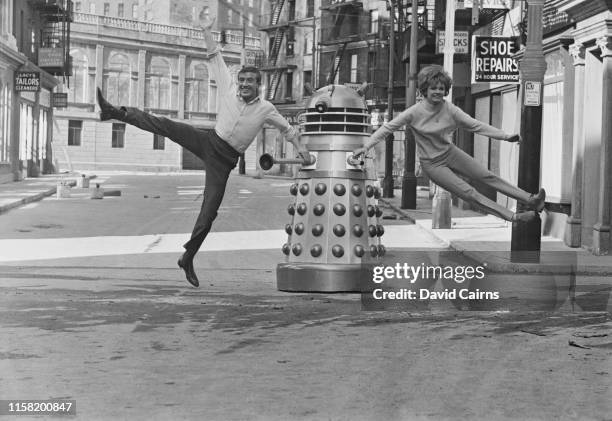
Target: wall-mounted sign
column 484, row 4
column 533, row 92
column 493, row 59
column 59, row 100
column 50, row 57
column 27, row 81
column 461, row 42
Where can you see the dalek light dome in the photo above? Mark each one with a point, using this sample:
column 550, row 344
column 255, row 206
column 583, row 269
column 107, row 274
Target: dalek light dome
column 336, row 109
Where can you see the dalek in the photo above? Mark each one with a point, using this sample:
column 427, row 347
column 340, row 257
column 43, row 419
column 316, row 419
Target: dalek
column 334, row 235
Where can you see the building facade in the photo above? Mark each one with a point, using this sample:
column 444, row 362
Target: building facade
column 33, row 46
column 159, row 68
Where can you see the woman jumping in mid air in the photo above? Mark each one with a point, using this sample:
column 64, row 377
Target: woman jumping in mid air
column 433, row 122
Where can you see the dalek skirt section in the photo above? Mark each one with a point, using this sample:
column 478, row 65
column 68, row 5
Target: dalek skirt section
column 334, row 233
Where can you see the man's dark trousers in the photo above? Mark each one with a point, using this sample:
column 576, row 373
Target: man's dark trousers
column 218, row 156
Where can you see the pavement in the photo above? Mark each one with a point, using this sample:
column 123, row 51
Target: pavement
column 476, row 234
column 471, row 233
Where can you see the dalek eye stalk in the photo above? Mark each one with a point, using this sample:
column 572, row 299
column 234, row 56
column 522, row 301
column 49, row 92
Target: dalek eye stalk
column 334, row 236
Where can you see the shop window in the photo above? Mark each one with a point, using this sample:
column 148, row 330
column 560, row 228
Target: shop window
column 5, row 101
column 118, row 135
column 552, row 162
column 159, row 142
column 75, row 128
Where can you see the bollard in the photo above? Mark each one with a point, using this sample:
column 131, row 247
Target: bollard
column 97, row 192
column 83, row 182
column 334, row 237
column 441, row 212
column 63, row 190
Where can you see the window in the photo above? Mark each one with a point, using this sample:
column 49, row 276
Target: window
column 289, row 86
column 196, row 88
column 77, row 6
column 157, row 89
column 353, row 68
column 291, row 10
column 135, row 11
column 75, row 127
column 307, row 76
column 5, row 120
column 92, row 8
column 120, row 10
column 118, row 80
column 230, row 16
column 106, row 9
column 308, row 43
column 118, row 135
column 373, row 21
column 309, row 8
column 250, row 19
column 251, row 3
column 78, row 85
column 159, row 142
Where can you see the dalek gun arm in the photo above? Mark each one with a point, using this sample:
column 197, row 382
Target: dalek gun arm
column 267, row 161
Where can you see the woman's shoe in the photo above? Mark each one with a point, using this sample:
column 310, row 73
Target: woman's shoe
column 537, row 201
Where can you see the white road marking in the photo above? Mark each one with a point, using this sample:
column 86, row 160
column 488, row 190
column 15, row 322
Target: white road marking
column 189, row 192
column 281, row 184
column 29, row 206
column 19, row 250
column 244, row 191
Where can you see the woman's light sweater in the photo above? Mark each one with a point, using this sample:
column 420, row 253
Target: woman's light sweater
column 433, row 127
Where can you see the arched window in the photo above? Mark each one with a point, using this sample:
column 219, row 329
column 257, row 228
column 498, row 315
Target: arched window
column 78, row 89
column 118, row 79
column 158, row 84
column 196, row 88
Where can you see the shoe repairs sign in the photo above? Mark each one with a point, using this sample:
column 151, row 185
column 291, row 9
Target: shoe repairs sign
column 27, row 81
column 493, row 59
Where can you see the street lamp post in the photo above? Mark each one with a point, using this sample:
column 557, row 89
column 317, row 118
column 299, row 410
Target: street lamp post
column 242, row 163
column 441, row 205
column 409, row 179
column 388, row 180
column 526, row 237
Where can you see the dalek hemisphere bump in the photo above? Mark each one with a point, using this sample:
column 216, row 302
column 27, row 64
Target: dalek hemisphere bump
column 334, row 236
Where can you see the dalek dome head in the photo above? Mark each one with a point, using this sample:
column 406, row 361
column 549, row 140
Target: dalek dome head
column 336, row 96
column 336, row 109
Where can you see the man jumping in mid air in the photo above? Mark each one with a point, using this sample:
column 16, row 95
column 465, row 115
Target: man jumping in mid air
column 241, row 115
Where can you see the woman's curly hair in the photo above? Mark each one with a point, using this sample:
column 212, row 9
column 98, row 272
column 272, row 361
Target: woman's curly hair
column 431, row 76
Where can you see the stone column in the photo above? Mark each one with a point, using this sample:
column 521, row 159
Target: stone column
column 181, row 85
column 601, row 230
column 142, row 78
column 574, row 222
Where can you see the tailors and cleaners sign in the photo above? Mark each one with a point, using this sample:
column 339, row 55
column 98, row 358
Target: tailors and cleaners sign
column 27, row 81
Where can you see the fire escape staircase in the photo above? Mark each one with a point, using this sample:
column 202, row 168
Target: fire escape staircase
column 338, row 18
column 275, row 47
